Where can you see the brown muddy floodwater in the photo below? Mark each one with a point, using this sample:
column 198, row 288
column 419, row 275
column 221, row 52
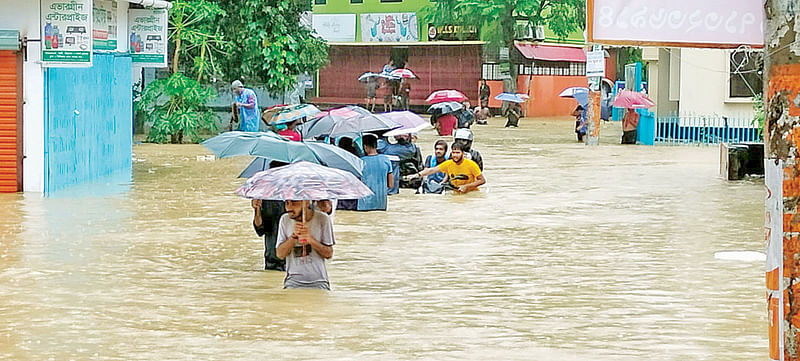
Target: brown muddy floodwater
column 568, row 253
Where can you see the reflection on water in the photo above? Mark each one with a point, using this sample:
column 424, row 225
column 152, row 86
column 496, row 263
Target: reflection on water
column 568, row 253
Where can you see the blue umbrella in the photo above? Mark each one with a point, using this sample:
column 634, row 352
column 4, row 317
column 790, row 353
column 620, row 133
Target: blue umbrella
column 581, row 94
column 510, row 97
column 445, row 108
column 294, row 112
column 274, row 147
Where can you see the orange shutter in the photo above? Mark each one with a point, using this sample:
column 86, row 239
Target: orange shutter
column 10, row 140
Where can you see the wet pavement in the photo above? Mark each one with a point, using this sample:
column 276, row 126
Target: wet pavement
column 568, row 253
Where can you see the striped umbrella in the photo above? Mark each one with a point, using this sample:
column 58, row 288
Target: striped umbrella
column 293, row 112
column 440, row 96
column 403, row 73
column 303, row 181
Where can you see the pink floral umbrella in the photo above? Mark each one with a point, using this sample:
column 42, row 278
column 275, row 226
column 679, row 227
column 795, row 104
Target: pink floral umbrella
column 303, row 181
column 632, row 100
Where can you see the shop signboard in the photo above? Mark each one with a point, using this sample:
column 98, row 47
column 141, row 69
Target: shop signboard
column 678, row 23
column 104, row 32
column 67, row 32
column 148, row 37
column 452, row 32
column 394, row 27
column 335, row 27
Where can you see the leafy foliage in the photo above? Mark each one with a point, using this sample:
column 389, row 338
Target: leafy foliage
column 758, row 113
column 268, row 44
column 176, row 106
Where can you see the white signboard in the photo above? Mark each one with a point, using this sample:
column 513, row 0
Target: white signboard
column 685, row 23
column 595, row 63
column 148, row 37
column 396, row 27
column 335, row 27
column 104, row 32
column 67, row 32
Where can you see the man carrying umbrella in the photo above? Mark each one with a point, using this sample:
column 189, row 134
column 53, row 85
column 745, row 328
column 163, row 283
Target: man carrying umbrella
column 247, row 104
column 629, row 123
column 305, row 241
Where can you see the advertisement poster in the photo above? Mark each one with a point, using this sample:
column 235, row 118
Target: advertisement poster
column 398, row 27
column 595, row 63
column 336, row 27
column 148, row 37
column 67, row 32
column 104, row 33
column 685, row 23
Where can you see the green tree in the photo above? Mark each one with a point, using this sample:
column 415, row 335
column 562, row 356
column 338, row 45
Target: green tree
column 268, row 44
column 498, row 19
column 176, row 105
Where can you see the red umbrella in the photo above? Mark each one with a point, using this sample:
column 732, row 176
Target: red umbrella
column 632, row 100
column 440, row 96
column 403, row 73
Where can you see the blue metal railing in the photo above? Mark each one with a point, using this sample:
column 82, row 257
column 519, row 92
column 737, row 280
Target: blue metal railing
column 704, row 129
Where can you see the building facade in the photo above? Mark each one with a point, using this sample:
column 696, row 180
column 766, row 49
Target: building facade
column 703, row 81
column 64, row 126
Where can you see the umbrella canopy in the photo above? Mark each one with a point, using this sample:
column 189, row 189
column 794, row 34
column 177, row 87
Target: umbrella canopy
column 445, row 108
column 511, row 97
column 632, row 100
column 368, row 123
column 581, row 94
column 324, row 122
column 368, row 75
column 274, row 147
column 303, row 181
column 440, row 96
column 294, row 112
column 409, row 123
column 403, row 73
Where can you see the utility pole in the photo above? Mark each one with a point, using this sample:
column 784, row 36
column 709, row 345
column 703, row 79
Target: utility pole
column 782, row 175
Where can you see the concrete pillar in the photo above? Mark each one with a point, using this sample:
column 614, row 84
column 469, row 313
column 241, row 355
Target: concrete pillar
column 782, row 176
column 593, row 119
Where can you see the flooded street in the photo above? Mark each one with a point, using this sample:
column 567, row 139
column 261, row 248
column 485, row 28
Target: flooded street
column 568, row 253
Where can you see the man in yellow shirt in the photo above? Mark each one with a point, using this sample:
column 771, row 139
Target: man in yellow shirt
column 464, row 174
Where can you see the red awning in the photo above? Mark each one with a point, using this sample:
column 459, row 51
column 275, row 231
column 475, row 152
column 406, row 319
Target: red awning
column 551, row 53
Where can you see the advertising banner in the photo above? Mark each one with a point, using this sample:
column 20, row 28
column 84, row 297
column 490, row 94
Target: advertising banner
column 335, row 27
column 680, row 23
column 104, row 33
column 452, row 32
column 397, row 27
column 147, row 31
column 67, row 32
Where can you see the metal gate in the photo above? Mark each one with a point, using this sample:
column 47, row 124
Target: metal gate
column 10, row 122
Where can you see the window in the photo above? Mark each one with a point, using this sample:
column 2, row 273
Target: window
column 491, row 71
column 320, row 2
column 391, row 1
column 560, row 68
column 356, row 1
column 744, row 73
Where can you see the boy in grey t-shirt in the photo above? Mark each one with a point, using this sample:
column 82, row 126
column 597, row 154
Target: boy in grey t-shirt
column 305, row 246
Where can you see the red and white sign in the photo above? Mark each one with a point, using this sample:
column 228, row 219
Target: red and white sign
column 683, row 23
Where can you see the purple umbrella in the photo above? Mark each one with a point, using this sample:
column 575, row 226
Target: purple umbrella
column 409, row 123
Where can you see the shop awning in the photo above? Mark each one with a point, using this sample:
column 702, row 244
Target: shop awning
column 551, row 52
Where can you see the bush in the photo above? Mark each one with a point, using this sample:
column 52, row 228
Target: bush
column 176, row 108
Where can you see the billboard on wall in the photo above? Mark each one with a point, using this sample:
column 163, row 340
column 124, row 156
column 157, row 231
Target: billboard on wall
column 148, row 37
column 67, row 32
column 104, row 33
column 335, row 27
column 396, row 27
column 680, row 23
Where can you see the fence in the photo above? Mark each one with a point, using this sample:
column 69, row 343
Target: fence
column 682, row 129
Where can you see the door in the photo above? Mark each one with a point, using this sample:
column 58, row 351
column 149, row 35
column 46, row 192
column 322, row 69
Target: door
column 10, row 122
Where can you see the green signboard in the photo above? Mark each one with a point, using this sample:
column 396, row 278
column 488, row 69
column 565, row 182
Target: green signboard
column 67, row 32
column 104, row 34
column 148, row 37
